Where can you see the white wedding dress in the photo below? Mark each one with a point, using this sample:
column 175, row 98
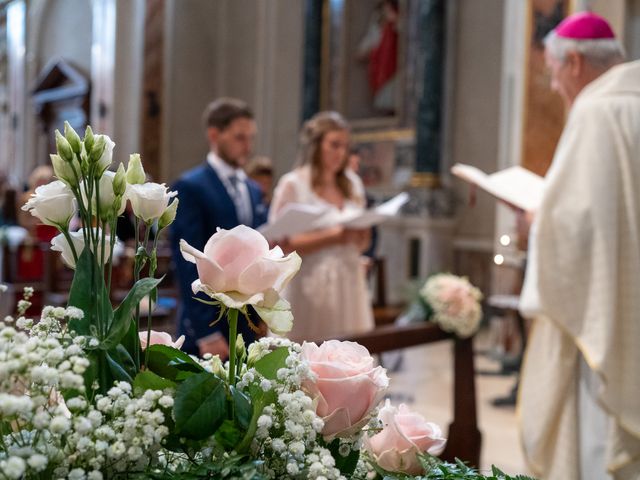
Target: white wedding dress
column 328, row 296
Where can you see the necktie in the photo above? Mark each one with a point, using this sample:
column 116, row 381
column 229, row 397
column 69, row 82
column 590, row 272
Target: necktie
column 242, row 209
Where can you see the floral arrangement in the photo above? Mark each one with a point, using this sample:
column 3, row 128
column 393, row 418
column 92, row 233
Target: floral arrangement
column 453, row 303
column 86, row 393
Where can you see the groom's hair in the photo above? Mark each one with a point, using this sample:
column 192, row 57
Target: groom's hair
column 222, row 112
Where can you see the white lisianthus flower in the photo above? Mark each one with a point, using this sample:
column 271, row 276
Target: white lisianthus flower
column 64, row 170
column 53, row 203
column 107, row 196
column 59, row 244
column 149, row 200
column 238, row 269
column 135, row 172
column 104, row 162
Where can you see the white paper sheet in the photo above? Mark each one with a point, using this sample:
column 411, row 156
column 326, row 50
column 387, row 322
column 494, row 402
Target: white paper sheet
column 515, row 185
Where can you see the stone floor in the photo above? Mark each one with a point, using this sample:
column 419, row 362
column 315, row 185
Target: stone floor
column 425, row 382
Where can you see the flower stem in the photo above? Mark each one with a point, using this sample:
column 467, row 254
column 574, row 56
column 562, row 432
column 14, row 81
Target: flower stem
column 112, row 233
column 232, row 315
column 65, row 232
column 153, row 294
column 136, row 277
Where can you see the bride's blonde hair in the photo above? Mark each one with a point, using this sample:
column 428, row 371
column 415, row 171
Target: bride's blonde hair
column 311, row 137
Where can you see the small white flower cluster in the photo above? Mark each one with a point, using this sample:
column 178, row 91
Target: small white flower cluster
column 118, row 433
column 77, row 439
column 455, row 303
column 288, row 433
column 24, row 304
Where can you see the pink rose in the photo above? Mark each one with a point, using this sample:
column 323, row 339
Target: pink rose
column 238, row 269
column 347, row 385
column 160, row 338
column 405, row 434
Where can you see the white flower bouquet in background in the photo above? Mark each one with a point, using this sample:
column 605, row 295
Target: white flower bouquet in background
column 448, row 300
column 453, row 303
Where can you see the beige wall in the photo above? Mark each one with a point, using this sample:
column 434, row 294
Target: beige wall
column 190, row 81
column 54, row 41
column 242, row 48
column 476, row 105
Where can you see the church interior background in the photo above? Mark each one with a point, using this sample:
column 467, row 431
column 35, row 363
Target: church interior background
column 467, row 86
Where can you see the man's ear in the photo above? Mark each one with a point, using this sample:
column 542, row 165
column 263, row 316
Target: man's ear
column 575, row 63
column 212, row 135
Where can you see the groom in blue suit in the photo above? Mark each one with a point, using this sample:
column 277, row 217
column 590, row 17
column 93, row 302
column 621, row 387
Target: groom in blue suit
column 217, row 193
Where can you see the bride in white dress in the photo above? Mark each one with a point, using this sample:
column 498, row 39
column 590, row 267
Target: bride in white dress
column 328, row 296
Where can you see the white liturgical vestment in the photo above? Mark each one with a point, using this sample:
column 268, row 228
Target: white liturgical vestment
column 583, row 287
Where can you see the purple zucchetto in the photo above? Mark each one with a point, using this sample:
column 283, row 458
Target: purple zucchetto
column 584, row 26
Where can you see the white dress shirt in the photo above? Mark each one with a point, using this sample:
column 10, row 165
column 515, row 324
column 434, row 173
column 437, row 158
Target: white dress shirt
column 235, row 181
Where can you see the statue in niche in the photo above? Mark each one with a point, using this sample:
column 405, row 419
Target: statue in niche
column 379, row 48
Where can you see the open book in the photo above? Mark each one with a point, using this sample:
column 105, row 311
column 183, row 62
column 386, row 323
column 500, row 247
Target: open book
column 515, row 185
column 298, row 218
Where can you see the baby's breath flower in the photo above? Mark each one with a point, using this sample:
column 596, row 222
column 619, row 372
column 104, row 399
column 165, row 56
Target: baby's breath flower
column 59, row 425
column 37, row 462
column 14, row 467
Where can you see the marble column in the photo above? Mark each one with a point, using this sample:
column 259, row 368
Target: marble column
column 429, row 116
column 312, row 58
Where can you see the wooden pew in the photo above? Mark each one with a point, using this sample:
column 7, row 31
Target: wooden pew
column 464, row 438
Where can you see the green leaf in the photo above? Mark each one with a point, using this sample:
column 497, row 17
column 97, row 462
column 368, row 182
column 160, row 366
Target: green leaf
column 229, row 434
column 81, row 296
column 242, row 408
column 131, row 340
column 5, row 428
column 269, row 365
column 90, row 375
column 347, row 464
column 171, row 363
column 121, row 355
column 200, row 406
column 148, row 380
column 118, row 371
column 260, row 399
column 123, row 314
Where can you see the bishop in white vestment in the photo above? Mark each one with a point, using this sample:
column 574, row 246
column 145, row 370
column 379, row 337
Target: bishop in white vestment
column 579, row 401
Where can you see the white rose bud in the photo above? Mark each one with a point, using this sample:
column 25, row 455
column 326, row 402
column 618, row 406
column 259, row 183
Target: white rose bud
column 120, row 181
column 64, row 171
column 150, row 200
column 169, row 215
column 53, row 203
column 72, row 137
column 63, row 146
column 59, row 244
column 135, row 172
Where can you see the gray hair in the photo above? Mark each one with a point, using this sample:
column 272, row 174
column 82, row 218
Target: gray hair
column 600, row 53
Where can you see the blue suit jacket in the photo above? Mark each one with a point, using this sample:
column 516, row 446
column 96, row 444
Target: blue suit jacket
column 204, row 206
